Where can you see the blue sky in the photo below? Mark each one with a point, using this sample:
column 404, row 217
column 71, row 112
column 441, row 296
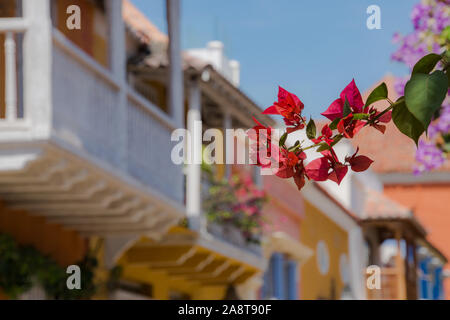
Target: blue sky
column 312, row 48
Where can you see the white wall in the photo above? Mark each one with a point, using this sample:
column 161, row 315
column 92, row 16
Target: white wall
column 214, row 54
column 351, row 191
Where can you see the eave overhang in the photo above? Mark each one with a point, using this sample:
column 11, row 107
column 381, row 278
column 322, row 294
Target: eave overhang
column 81, row 193
column 194, row 257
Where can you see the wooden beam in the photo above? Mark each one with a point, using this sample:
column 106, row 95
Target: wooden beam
column 160, row 256
column 400, row 266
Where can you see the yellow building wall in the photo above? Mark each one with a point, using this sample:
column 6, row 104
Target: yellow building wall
column 180, row 280
column 162, row 284
column 316, row 227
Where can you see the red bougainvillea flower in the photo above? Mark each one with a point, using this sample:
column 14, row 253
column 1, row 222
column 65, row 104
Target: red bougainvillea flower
column 261, row 146
column 319, row 169
column 325, row 137
column 299, row 176
column 260, row 132
column 288, row 161
column 338, row 170
column 385, row 118
column 336, row 109
column 291, row 165
column 264, row 155
column 349, row 127
column 359, row 163
column 290, row 107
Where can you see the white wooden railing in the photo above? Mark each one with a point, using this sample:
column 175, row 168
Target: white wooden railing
column 10, row 27
column 149, row 147
column 10, row 77
column 86, row 113
column 87, row 106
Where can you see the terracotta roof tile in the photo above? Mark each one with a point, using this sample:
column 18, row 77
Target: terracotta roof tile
column 379, row 206
column 140, row 25
column 391, row 152
column 148, row 33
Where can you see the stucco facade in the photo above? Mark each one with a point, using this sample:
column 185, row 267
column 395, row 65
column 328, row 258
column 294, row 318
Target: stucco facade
column 430, row 203
column 321, row 276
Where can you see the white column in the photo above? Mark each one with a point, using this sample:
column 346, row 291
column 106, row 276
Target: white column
column 235, row 72
column 37, row 60
column 249, row 289
column 10, row 77
column 176, row 95
column 356, row 260
column 229, row 145
column 115, row 247
column 117, row 50
column 117, row 63
column 194, row 158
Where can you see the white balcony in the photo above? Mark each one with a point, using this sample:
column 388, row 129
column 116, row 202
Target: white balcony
column 81, row 147
column 77, row 145
column 87, row 115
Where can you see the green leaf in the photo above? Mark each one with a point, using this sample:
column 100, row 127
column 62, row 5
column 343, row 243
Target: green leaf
column 283, row 139
column 446, row 138
column 426, row 64
column 347, row 109
column 334, row 123
column 406, row 122
column 360, row 116
column 295, row 146
column 437, row 114
column 323, row 146
column 311, row 129
column 448, row 77
column 379, row 93
column 424, row 94
column 336, row 139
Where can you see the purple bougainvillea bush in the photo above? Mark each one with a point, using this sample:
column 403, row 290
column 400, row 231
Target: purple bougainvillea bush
column 431, row 34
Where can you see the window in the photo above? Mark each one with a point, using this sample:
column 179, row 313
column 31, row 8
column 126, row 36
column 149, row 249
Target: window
column 425, row 279
column 10, row 8
column 344, row 270
column 323, row 257
column 280, row 279
column 93, row 37
column 153, row 91
column 437, row 283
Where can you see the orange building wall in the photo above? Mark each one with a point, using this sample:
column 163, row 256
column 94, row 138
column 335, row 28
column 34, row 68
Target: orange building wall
column 431, row 205
column 64, row 246
column 93, row 36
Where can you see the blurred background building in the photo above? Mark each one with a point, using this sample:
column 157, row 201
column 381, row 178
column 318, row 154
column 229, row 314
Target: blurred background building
column 86, row 170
